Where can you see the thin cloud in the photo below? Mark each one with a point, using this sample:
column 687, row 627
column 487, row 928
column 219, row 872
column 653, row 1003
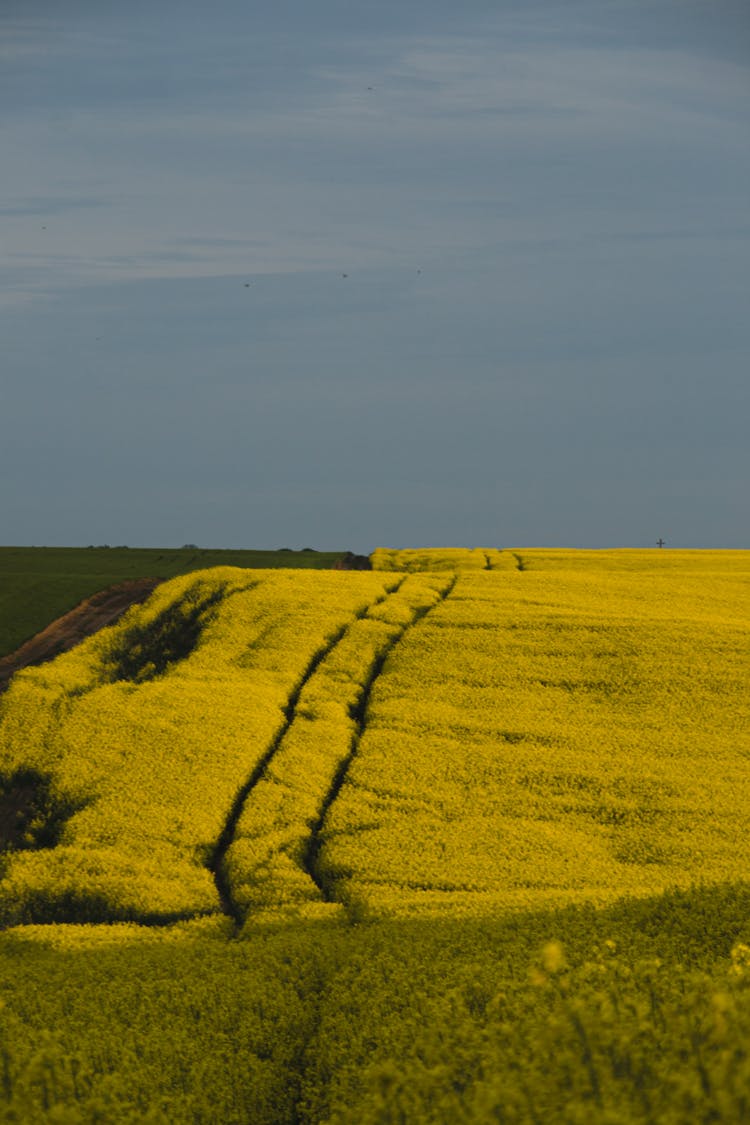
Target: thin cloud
column 51, row 205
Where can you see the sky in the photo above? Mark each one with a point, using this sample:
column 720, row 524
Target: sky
column 361, row 273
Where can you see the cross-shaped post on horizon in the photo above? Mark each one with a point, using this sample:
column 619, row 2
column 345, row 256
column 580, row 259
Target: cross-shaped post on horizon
column 660, row 542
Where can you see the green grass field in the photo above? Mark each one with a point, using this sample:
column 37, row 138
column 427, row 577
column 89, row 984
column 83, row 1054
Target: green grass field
column 39, row 584
column 459, row 839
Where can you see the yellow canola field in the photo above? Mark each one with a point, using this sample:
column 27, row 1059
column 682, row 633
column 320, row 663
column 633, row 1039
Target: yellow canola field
column 443, row 558
column 147, row 756
column 633, row 559
column 578, row 729
column 573, row 726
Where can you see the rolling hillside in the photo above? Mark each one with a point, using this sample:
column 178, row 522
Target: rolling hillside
column 39, row 584
column 463, row 837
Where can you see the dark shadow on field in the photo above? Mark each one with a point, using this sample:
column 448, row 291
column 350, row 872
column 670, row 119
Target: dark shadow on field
column 33, row 816
column 144, row 652
column 32, row 813
column 73, row 907
column 325, row 1011
column 704, row 922
column 699, row 923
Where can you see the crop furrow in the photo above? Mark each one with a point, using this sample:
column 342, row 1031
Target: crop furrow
column 216, row 864
column 311, row 859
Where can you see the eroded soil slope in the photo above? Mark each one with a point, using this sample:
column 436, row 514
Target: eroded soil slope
column 86, row 618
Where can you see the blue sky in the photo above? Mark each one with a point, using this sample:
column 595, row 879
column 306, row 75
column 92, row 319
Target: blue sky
column 542, row 213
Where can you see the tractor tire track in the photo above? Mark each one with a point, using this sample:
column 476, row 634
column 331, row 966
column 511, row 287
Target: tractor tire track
column 311, row 859
column 215, row 863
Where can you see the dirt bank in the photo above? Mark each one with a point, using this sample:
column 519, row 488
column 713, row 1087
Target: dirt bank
column 88, row 617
